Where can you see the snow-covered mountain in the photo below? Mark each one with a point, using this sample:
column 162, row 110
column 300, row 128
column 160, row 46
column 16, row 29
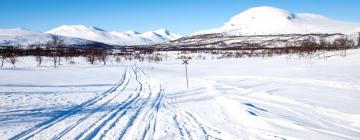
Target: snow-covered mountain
column 268, row 27
column 82, row 35
column 114, row 38
column 269, row 20
column 24, row 37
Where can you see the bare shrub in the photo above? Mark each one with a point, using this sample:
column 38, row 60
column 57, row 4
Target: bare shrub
column 343, row 43
column 102, row 58
column 9, row 54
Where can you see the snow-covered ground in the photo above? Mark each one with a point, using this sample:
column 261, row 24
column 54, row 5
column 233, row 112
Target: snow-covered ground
column 247, row 98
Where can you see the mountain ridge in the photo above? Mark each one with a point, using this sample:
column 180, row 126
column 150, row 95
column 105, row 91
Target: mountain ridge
column 114, row 37
column 83, row 35
column 25, row 37
column 266, row 20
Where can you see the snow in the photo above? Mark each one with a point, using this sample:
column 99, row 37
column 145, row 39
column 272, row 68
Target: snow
column 166, row 33
column 25, row 37
column 248, row 41
column 80, row 35
column 283, row 97
column 114, row 38
column 266, row 20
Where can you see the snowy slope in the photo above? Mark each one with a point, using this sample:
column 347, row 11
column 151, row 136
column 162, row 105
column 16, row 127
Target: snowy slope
column 275, row 98
column 223, row 40
column 167, row 34
column 24, row 37
column 269, row 20
column 114, row 38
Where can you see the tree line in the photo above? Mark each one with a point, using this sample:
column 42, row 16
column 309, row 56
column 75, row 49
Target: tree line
column 54, row 49
column 57, row 51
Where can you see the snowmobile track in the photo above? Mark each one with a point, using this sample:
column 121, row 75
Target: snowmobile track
column 128, row 110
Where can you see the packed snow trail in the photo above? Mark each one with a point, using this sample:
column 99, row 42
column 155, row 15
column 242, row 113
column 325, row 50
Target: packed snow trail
column 134, row 108
column 255, row 98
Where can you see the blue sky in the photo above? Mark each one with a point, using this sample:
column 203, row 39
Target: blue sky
column 180, row 16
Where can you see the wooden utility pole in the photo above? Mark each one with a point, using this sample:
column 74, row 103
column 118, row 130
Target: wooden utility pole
column 185, row 62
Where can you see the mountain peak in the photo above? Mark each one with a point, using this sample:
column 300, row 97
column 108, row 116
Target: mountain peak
column 71, row 26
column 162, row 31
column 267, row 20
column 74, row 28
column 17, row 32
column 114, row 38
column 260, row 14
column 96, row 28
column 265, row 10
column 133, row 32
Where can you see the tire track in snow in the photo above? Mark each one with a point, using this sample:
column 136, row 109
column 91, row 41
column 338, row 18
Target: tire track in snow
column 121, row 110
column 61, row 134
column 80, row 121
column 188, row 125
column 182, row 129
column 150, row 128
column 100, row 131
column 48, row 123
column 133, row 116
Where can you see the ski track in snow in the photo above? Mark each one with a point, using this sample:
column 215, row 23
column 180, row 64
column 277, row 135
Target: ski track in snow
column 137, row 107
column 128, row 110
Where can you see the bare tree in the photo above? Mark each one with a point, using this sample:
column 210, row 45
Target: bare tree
column 118, row 59
column 9, row 54
column 90, row 59
column 343, row 44
column 38, row 56
column 323, row 43
column 32, row 46
column 3, row 56
column 90, row 55
column 56, row 45
column 39, row 60
column 13, row 59
column 102, row 58
column 2, row 60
